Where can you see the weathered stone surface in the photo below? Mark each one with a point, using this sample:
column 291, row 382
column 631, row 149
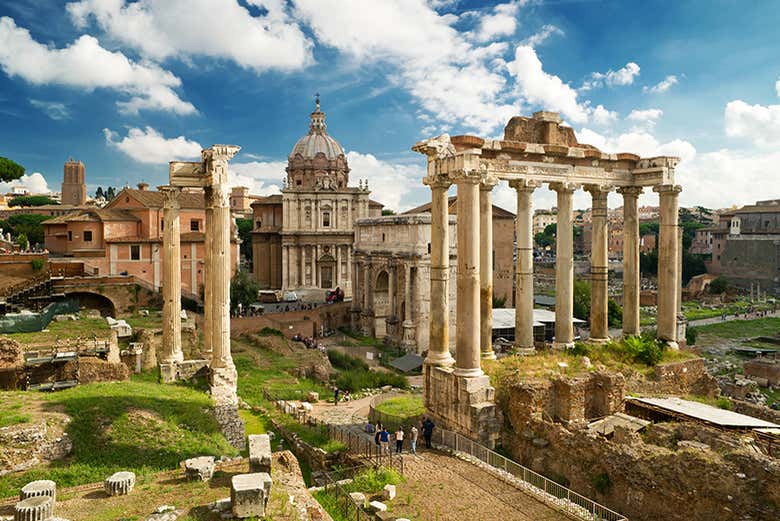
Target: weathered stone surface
column 199, row 469
column 231, row 424
column 260, row 453
column 165, row 513
column 37, row 508
column 359, row 498
column 377, row 506
column 119, row 483
column 249, row 494
column 313, row 396
column 388, row 492
column 42, row 487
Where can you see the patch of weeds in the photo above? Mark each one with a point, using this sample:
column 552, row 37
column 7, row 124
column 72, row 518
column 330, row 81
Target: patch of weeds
column 602, row 483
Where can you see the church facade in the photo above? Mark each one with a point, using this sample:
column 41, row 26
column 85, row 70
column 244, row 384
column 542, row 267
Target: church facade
column 304, row 238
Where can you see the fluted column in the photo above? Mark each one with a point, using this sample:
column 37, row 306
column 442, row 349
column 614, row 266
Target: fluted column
column 439, row 342
column 486, row 265
column 407, row 292
column 599, row 266
column 668, row 275
column 524, row 264
column 467, row 343
column 631, row 325
column 171, row 287
column 564, row 266
column 208, row 300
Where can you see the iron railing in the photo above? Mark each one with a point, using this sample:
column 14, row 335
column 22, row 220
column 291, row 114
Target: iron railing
column 544, row 489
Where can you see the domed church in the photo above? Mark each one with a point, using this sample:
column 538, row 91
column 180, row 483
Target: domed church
column 303, row 238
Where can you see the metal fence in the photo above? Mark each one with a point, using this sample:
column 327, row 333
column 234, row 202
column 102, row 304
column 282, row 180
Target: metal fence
column 340, row 500
column 391, row 421
column 544, row 489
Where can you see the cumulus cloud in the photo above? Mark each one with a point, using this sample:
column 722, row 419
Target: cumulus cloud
column 637, row 142
column 542, row 35
column 261, row 177
column 391, row 184
column 35, row 183
column 54, row 109
column 777, row 87
column 85, row 64
column 644, row 120
column 188, row 28
column 758, row 123
column 620, row 77
column 662, row 86
column 502, row 21
column 603, row 117
column 544, row 89
column 149, row 146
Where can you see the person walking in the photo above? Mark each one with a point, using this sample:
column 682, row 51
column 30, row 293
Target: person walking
column 336, row 396
column 428, row 427
column 399, row 440
column 377, row 435
column 384, row 441
column 413, row 440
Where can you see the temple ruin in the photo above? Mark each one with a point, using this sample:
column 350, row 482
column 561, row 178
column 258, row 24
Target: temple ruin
column 534, row 151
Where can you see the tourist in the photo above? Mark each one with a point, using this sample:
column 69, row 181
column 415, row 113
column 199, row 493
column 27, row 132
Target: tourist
column 346, row 395
column 336, row 396
column 399, row 440
column 377, row 435
column 384, row 441
column 427, row 428
column 370, row 428
column 413, row 440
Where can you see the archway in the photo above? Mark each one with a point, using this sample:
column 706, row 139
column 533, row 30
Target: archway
column 381, row 303
column 89, row 300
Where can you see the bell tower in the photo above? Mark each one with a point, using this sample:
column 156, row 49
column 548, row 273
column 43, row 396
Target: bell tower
column 74, row 187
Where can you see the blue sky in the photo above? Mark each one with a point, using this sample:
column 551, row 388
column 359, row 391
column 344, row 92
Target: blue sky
column 127, row 86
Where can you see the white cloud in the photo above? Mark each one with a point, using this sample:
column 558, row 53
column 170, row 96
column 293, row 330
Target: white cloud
column 502, row 21
column 641, row 143
column 662, row 86
column 85, row 64
column 620, row 77
column 188, row 28
column 54, row 109
column 542, row 35
column 777, row 87
column 603, row 117
column 544, row 89
column 645, row 116
column 758, row 123
column 35, row 183
column 390, row 184
column 261, row 177
column 149, row 146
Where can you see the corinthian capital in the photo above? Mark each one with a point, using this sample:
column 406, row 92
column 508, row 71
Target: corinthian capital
column 564, row 186
column 466, row 177
column 630, row 191
column 170, row 196
column 488, row 182
column 524, row 185
column 438, row 147
column 437, row 181
column 667, row 189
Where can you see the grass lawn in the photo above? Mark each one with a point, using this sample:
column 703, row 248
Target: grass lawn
column 405, row 406
column 152, row 321
column 735, row 329
column 370, row 481
column 11, row 409
column 137, row 425
column 69, row 329
column 695, row 311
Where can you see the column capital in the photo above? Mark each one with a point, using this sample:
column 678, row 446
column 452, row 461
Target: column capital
column 488, row 182
column 437, row 181
column 667, row 189
column 564, row 186
column 170, row 196
column 468, row 177
column 597, row 190
column 524, row 185
column 630, row 191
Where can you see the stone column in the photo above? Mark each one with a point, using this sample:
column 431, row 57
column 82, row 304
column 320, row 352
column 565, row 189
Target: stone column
column 171, row 287
column 407, row 292
column 486, row 265
column 439, row 342
column 599, row 266
column 467, row 343
column 223, row 372
column 668, row 275
column 564, row 266
column 631, row 326
column 208, row 301
column 524, row 265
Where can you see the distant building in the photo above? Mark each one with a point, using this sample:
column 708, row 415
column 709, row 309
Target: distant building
column 544, row 218
column 74, row 187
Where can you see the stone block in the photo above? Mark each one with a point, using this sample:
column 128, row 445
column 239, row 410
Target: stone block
column 42, row 487
column 260, row 453
column 306, row 406
column 36, row 508
column 168, row 372
column 249, row 494
column 377, row 506
column 359, row 498
column 313, row 396
column 199, row 469
column 388, row 492
column 119, row 483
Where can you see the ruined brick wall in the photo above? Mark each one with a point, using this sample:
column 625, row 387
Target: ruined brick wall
column 686, row 377
column 769, row 369
column 529, row 130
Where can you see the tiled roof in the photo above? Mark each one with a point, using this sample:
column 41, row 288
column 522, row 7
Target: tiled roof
column 93, row 214
column 155, row 199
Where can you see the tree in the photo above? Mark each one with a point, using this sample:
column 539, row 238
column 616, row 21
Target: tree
column 10, row 170
column 243, row 290
column 648, row 263
column 543, row 241
column 387, row 211
column 99, row 193
column 244, row 227
column 582, row 299
column 614, row 313
column 22, row 241
column 31, row 200
column 110, row 194
column 28, row 224
column 718, row 286
column 649, row 228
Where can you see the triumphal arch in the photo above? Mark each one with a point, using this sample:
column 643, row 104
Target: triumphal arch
column 535, row 151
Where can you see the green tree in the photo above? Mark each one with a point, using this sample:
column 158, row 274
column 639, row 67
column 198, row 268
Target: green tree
column 387, row 211
column 243, row 290
column 614, row 314
column 244, row 227
column 648, row 228
column 648, row 262
column 582, row 299
column 719, row 285
column 22, row 241
column 10, row 170
column 28, row 224
column 99, row 193
column 31, row 200
column 542, row 240
column 110, row 194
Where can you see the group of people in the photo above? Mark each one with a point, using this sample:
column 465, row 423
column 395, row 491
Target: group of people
column 309, row 342
column 338, row 394
column 382, row 436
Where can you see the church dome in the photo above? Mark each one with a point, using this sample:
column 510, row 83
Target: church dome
column 317, row 140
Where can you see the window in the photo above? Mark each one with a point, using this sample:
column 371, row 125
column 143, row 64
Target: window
column 70, row 235
column 259, row 223
column 383, row 237
column 194, row 225
column 162, row 224
column 429, row 248
column 135, row 252
column 87, row 236
column 326, row 219
column 298, row 182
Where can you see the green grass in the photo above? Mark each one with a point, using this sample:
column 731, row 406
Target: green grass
column 406, row 406
column 369, row 481
column 10, row 410
column 69, row 329
column 152, row 321
column 695, row 311
column 137, row 425
column 735, row 329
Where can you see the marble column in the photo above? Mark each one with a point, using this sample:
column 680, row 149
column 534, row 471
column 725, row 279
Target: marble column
column 467, row 342
column 599, row 266
column 631, row 288
column 668, row 275
column 171, row 284
column 524, row 265
column 564, row 266
column 223, row 371
column 208, row 300
column 439, row 342
column 407, row 293
column 486, row 265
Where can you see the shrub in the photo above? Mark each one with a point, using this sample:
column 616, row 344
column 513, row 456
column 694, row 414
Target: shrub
column 614, row 314
column 355, row 380
column 723, row 403
column 582, row 299
column 499, row 302
column 691, row 334
column 643, row 349
column 602, row 483
column 345, row 362
column 580, row 349
column 270, row 331
column 37, row 264
column 718, row 286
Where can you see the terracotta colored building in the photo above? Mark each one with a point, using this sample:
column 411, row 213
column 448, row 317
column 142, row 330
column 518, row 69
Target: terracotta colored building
column 125, row 237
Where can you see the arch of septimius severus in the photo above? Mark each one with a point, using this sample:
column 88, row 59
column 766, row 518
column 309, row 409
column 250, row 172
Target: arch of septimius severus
column 534, row 151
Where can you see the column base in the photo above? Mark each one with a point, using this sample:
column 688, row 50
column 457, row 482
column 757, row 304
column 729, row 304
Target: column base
column 599, row 340
column 440, row 359
column 563, row 345
column 627, row 334
column 169, row 372
column 468, row 372
column 488, row 355
column 672, row 345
